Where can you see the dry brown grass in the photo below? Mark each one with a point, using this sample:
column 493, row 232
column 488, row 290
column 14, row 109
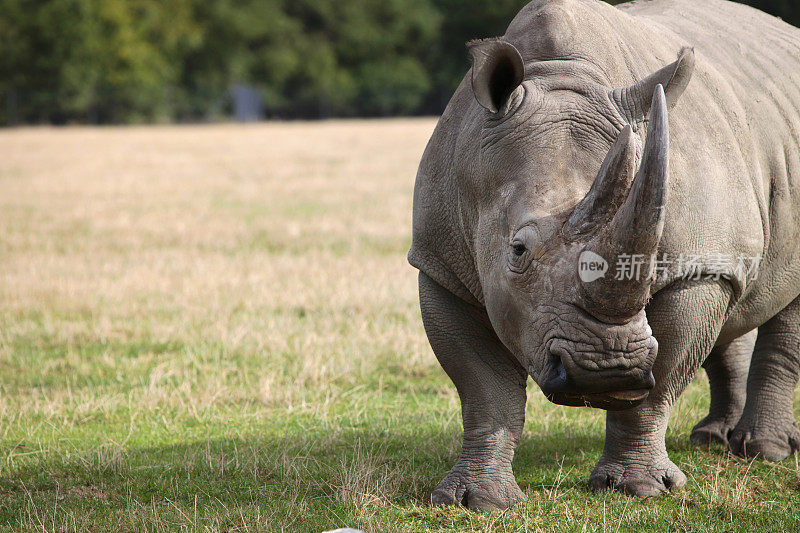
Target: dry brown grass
column 267, row 239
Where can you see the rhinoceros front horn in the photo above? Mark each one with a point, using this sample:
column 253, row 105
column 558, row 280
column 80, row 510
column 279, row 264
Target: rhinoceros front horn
column 630, row 241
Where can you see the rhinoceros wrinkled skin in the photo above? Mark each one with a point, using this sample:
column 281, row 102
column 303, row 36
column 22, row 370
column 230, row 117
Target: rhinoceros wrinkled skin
column 577, row 132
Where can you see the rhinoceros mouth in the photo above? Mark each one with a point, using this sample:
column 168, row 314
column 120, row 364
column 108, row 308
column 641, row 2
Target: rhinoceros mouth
column 610, row 401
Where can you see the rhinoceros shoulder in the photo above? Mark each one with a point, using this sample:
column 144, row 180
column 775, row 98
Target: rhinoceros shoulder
column 439, row 247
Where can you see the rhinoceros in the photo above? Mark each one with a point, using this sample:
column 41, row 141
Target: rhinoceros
column 587, row 138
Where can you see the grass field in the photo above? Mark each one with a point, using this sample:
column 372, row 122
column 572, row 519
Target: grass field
column 215, row 328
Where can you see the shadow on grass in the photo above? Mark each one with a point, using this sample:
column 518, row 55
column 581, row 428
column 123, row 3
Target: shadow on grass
column 403, row 466
column 326, row 477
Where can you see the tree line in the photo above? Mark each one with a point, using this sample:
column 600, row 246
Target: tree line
column 122, row 61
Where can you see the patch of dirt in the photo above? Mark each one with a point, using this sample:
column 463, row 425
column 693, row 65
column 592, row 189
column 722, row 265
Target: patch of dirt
column 87, row 491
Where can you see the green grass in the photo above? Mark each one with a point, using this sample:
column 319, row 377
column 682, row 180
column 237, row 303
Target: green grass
column 214, row 329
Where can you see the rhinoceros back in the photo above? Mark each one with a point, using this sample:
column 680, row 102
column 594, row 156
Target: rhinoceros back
column 752, row 62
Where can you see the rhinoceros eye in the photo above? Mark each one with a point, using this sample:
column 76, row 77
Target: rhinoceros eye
column 519, row 249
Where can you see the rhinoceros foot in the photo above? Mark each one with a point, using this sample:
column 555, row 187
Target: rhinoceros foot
column 637, row 480
column 773, row 443
column 480, row 491
column 710, row 431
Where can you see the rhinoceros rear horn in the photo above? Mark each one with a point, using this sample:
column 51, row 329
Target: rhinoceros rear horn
column 634, row 101
column 630, row 241
column 497, row 69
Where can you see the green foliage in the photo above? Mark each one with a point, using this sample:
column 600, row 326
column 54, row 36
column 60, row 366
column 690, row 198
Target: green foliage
column 148, row 60
column 105, row 60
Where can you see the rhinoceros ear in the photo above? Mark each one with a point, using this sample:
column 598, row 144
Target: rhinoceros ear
column 635, row 100
column 497, row 69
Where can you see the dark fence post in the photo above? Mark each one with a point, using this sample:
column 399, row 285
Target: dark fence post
column 246, row 103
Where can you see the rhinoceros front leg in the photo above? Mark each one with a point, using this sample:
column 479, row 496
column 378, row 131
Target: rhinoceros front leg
column 727, row 368
column 686, row 320
column 492, row 391
column 767, row 427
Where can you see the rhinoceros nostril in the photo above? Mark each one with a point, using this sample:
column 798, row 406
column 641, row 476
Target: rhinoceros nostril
column 651, row 381
column 555, row 375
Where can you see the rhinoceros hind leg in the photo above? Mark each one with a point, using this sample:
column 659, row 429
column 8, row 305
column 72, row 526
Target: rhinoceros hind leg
column 727, row 368
column 492, row 391
column 767, row 427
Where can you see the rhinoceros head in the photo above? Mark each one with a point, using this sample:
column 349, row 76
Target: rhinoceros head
column 547, row 251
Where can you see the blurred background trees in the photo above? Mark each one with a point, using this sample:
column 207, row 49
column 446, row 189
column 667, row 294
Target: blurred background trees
column 123, row 61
